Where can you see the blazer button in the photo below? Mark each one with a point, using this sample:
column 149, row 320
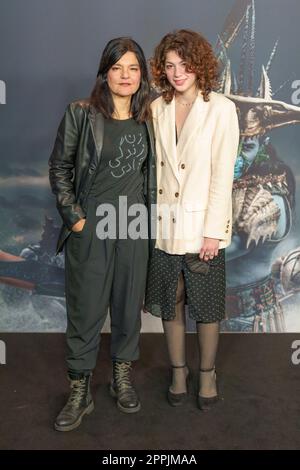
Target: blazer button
column 161, row 163
column 183, row 166
column 160, row 191
column 226, row 231
column 91, row 170
column 174, row 220
column 159, row 217
column 176, row 194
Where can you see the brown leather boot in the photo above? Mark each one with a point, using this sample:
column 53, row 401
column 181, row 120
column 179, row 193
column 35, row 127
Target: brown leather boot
column 79, row 403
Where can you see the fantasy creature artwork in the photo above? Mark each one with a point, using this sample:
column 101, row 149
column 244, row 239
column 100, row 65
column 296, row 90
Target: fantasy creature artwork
column 263, row 261
column 263, row 192
column 32, row 285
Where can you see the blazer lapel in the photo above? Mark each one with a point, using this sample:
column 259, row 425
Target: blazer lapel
column 192, row 124
column 166, row 130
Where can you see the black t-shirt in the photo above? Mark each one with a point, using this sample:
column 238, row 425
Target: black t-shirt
column 123, row 154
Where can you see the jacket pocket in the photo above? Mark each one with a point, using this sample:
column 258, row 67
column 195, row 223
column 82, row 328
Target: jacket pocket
column 84, row 229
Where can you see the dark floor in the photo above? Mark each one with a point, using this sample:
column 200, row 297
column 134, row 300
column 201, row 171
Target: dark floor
column 260, row 385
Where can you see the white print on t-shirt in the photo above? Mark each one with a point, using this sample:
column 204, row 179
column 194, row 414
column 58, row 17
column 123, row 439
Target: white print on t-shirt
column 131, row 150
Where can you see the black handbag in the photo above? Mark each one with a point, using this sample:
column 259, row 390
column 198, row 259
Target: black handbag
column 195, row 264
column 199, row 266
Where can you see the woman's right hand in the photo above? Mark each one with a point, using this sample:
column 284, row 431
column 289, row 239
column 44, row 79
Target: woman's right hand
column 79, row 225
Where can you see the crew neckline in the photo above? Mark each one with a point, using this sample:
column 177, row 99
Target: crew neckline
column 122, row 120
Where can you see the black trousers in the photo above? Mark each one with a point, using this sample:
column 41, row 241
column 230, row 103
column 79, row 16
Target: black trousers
column 101, row 274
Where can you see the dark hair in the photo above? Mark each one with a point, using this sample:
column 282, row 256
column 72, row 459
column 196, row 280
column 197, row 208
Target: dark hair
column 198, row 54
column 101, row 97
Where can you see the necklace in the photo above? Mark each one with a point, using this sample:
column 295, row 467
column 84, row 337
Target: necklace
column 187, row 104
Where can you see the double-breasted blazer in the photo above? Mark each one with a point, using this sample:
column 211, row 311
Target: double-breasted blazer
column 195, row 176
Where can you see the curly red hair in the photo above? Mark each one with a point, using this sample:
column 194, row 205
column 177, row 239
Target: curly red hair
column 198, row 54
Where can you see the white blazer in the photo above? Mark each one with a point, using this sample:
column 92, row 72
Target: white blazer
column 195, row 177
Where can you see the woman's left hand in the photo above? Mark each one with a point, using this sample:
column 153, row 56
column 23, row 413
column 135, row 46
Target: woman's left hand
column 209, row 249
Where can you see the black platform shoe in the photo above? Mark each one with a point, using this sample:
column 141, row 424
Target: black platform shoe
column 177, row 399
column 206, row 403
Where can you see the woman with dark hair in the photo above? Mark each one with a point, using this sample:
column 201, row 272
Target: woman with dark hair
column 102, row 163
column 197, row 136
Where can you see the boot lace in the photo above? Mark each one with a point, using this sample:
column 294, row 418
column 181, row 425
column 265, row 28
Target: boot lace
column 78, row 388
column 122, row 376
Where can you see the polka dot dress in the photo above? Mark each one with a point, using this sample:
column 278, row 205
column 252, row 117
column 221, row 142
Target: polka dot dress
column 205, row 293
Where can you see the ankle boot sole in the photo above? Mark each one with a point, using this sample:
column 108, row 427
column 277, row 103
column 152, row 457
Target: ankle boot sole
column 122, row 408
column 77, row 423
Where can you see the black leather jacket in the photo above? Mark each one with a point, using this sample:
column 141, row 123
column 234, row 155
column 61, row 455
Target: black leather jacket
column 74, row 159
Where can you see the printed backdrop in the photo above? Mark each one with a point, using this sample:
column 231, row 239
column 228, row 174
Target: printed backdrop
column 50, row 52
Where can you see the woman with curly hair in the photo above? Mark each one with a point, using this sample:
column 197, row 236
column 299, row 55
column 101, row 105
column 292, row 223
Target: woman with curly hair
column 197, row 136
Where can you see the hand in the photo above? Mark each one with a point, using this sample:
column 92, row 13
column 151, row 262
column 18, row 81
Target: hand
column 209, row 249
column 144, row 309
column 79, row 225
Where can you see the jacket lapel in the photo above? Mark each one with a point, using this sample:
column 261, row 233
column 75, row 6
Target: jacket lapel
column 192, row 125
column 97, row 125
column 166, row 130
column 150, row 130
